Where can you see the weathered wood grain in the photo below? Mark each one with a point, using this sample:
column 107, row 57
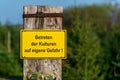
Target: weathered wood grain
column 43, row 65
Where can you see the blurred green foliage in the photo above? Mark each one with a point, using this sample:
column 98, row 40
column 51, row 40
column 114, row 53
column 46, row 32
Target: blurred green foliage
column 93, row 45
column 11, row 65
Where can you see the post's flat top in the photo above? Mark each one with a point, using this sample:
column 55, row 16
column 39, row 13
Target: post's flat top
column 45, row 9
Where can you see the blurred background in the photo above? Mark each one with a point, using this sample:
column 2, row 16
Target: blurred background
column 93, row 38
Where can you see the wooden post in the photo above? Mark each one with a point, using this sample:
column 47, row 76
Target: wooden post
column 43, row 65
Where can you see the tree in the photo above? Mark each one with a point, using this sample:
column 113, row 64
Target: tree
column 110, row 56
column 83, row 49
column 11, row 65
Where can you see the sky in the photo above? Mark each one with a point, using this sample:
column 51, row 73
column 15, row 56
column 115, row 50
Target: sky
column 12, row 10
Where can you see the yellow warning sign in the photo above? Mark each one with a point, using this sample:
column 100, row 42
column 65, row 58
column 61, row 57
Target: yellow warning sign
column 37, row 44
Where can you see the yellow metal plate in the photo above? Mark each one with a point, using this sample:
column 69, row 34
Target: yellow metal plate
column 37, row 44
